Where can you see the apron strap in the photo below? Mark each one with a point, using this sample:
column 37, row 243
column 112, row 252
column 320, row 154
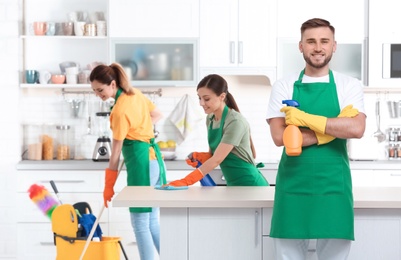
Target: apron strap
column 162, row 169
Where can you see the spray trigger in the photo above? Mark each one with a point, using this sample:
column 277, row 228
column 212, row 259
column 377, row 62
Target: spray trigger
column 290, row 103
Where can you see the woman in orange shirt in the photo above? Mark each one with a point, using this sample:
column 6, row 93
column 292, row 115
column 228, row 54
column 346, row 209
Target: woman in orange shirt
column 131, row 120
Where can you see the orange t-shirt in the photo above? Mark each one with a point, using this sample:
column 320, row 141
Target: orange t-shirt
column 130, row 118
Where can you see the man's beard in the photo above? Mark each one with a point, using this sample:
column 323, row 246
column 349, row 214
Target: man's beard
column 320, row 65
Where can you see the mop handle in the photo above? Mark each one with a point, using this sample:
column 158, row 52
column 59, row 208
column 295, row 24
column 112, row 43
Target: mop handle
column 97, row 221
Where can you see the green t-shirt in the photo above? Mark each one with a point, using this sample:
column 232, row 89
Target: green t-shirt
column 236, row 131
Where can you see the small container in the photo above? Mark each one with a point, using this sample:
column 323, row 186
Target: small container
column 392, row 134
column 48, row 142
column 63, row 142
column 33, row 141
column 392, row 151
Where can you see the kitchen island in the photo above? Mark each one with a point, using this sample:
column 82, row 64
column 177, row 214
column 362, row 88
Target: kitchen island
column 234, row 222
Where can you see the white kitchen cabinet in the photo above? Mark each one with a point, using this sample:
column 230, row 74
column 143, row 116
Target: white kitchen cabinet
column 154, row 18
column 210, row 228
column 377, row 234
column 238, row 34
column 291, row 14
column 376, row 178
column 384, row 28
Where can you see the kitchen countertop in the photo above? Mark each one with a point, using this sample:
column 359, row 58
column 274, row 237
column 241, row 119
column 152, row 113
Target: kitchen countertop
column 180, row 165
column 240, row 197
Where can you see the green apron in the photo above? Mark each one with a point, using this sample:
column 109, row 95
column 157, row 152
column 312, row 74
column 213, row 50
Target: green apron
column 236, row 171
column 313, row 197
column 136, row 157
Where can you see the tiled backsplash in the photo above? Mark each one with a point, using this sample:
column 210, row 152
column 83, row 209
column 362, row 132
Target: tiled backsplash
column 251, row 94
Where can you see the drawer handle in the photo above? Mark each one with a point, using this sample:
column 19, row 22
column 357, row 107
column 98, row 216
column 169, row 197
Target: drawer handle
column 65, row 181
column 395, row 174
column 47, row 243
column 131, row 244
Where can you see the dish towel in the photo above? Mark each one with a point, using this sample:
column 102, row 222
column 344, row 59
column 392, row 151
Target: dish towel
column 184, row 117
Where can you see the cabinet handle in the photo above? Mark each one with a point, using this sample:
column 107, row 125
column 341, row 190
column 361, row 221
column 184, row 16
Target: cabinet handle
column 256, row 227
column 131, row 244
column 232, row 51
column 46, row 243
column 64, row 181
column 395, row 174
column 240, row 52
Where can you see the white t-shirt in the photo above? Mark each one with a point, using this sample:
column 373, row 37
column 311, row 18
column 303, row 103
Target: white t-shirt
column 349, row 92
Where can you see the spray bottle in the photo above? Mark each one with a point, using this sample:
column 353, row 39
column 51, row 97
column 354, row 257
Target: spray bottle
column 292, row 136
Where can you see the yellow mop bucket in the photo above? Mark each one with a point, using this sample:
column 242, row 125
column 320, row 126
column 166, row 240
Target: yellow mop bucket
column 70, row 247
column 106, row 249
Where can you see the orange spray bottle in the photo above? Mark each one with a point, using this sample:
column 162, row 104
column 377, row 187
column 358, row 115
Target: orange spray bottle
column 292, row 136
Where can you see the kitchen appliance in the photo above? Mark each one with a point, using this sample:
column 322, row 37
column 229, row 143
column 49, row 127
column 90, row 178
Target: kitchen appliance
column 349, row 58
column 391, row 60
column 102, row 151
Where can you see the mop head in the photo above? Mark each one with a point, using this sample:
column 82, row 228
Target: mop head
column 42, row 198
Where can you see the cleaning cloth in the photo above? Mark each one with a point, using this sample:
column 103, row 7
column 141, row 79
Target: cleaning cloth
column 184, row 117
column 87, row 221
column 159, row 187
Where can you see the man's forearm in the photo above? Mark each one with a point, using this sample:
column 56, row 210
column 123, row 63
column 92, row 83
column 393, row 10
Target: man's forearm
column 346, row 128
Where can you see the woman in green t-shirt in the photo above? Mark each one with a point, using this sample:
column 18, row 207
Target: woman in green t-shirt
column 229, row 138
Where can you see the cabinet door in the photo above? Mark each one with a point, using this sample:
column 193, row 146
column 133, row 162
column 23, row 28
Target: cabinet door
column 377, row 234
column 154, row 18
column 210, row 229
column 218, row 33
column 257, row 33
column 237, row 33
column 291, row 15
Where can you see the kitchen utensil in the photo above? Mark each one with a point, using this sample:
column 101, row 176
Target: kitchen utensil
column 97, row 221
column 378, row 134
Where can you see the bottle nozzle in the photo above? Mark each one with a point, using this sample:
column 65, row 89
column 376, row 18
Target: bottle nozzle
column 290, row 103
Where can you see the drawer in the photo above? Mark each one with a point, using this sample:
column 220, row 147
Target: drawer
column 35, row 241
column 387, row 178
column 266, row 220
column 66, row 181
column 28, row 211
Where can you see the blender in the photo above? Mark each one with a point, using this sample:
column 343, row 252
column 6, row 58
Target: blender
column 102, row 149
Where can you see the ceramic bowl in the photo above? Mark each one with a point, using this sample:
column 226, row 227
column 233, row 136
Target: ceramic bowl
column 58, row 79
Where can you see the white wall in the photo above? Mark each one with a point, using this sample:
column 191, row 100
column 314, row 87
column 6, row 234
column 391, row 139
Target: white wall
column 9, row 122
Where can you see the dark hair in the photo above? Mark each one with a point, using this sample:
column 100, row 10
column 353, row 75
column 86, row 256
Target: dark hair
column 316, row 23
column 106, row 74
column 219, row 85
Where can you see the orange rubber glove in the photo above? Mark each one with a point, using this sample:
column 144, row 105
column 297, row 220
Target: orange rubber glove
column 194, row 157
column 190, row 179
column 110, row 180
column 347, row 111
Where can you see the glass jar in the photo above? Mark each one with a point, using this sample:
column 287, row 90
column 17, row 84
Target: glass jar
column 392, row 135
column 63, row 142
column 33, row 141
column 48, row 142
column 392, row 151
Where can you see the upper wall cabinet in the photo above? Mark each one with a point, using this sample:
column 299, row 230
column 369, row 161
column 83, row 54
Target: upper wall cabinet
column 384, row 30
column 154, row 18
column 348, row 17
column 237, row 33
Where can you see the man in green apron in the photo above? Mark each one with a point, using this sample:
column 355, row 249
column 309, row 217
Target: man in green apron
column 313, row 197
